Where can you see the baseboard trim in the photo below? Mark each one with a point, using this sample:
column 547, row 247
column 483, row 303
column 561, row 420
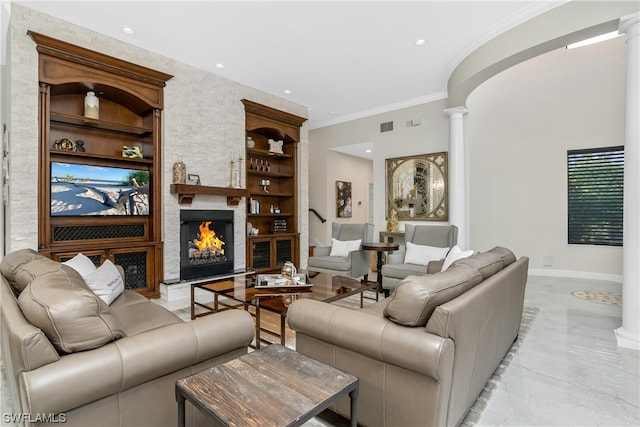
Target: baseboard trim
column 575, row 274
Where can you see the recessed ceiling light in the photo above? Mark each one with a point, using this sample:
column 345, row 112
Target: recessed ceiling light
column 367, row 151
column 219, row 65
column 127, row 30
column 287, row 92
column 421, row 42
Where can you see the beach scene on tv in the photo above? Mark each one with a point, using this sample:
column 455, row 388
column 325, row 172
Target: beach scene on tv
column 79, row 190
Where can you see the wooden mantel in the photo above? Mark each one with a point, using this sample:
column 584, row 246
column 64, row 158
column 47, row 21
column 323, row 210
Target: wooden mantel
column 186, row 193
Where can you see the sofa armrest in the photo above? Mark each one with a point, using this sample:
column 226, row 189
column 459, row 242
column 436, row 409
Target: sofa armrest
column 373, row 336
column 435, row 266
column 359, row 262
column 91, row 375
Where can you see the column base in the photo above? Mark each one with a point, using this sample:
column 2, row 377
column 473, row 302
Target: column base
column 627, row 340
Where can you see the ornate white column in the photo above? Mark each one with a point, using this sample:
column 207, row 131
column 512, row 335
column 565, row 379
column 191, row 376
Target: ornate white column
column 457, row 182
column 628, row 335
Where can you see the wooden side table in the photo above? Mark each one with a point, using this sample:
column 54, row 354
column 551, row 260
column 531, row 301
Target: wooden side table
column 380, row 247
column 274, row 386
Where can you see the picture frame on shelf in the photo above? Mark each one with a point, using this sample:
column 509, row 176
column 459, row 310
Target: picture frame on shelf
column 193, row 179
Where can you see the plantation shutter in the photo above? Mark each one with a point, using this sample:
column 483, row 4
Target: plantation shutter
column 595, row 178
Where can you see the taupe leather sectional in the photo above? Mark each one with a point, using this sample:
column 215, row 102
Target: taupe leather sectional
column 424, row 354
column 90, row 364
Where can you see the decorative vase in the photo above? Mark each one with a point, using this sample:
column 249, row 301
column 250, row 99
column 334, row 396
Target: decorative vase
column 250, row 142
column 179, row 172
column 91, row 106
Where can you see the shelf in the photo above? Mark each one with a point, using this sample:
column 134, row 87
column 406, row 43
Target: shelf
column 186, row 193
column 270, row 195
column 269, row 174
column 69, row 119
column 271, row 235
column 258, row 152
column 55, row 154
column 274, row 215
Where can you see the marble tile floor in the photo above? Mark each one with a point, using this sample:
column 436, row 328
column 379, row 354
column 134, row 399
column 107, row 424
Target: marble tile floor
column 568, row 370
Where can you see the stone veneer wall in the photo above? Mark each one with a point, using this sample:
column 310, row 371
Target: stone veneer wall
column 203, row 122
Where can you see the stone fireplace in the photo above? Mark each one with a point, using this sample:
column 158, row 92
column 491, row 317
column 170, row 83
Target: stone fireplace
column 206, row 243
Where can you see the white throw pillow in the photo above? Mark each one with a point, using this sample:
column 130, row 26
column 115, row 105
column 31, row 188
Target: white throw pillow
column 106, row 282
column 423, row 254
column 344, row 247
column 455, row 254
column 81, row 264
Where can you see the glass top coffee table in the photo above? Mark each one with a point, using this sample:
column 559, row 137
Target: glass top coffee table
column 241, row 292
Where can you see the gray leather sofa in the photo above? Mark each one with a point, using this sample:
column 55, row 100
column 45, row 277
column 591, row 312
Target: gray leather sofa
column 92, row 364
column 424, row 354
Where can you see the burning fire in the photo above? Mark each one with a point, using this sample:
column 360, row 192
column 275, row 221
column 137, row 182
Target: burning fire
column 208, row 241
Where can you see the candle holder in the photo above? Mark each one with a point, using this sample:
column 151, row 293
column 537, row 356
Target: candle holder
column 231, row 169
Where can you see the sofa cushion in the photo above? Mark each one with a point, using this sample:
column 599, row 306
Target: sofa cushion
column 400, row 271
column 487, row 263
column 25, row 273
column 337, row 263
column 422, row 254
column 415, row 298
column 344, row 247
column 137, row 314
column 68, row 312
column 507, row 256
column 12, row 261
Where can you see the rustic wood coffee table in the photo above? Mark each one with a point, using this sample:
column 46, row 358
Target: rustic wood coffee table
column 274, row 386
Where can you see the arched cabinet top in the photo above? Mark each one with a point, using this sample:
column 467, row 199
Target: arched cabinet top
column 284, row 125
column 62, row 63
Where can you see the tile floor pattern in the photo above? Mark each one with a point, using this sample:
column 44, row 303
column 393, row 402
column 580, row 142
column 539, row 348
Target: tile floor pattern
column 568, row 371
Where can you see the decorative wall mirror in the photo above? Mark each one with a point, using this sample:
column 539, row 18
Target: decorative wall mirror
column 417, row 187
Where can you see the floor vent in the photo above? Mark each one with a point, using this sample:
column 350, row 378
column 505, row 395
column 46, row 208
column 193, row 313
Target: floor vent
column 386, row 127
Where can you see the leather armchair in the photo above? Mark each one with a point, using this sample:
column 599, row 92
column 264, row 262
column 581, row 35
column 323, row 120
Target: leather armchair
column 356, row 264
column 431, row 235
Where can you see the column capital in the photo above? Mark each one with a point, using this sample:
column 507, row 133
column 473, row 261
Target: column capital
column 629, row 25
column 456, row 111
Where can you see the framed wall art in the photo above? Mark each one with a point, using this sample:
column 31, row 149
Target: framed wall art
column 417, row 187
column 343, row 199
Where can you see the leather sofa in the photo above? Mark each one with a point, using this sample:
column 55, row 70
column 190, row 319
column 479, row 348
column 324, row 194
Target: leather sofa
column 89, row 363
column 424, row 354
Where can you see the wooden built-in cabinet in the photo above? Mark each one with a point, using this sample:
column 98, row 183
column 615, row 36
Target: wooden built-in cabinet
column 130, row 114
column 272, row 208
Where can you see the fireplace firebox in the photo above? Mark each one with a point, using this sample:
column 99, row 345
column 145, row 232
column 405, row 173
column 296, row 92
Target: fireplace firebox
column 206, row 243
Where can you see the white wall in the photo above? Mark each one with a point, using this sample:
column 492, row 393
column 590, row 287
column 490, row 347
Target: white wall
column 340, row 167
column 203, row 121
column 429, row 137
column 519, row 127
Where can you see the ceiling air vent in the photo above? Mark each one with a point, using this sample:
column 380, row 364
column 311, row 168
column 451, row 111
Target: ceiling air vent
column 386, row 127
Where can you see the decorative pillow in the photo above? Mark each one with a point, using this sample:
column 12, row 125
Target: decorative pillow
column 455, row 254
column 72, row 317
column 416, row 297
column 82, row 264
column 344, row 247
column 422, row 254
column 106, row 282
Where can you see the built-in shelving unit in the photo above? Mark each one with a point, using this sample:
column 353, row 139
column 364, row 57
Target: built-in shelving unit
column 271, row 177
column 129, row 229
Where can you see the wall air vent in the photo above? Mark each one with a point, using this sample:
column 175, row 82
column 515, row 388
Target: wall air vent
column 386, row 127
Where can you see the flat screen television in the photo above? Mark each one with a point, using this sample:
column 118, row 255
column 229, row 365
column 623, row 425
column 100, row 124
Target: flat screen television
column 90, row 190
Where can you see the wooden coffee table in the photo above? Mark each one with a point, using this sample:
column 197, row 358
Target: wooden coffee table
column 274, row 386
